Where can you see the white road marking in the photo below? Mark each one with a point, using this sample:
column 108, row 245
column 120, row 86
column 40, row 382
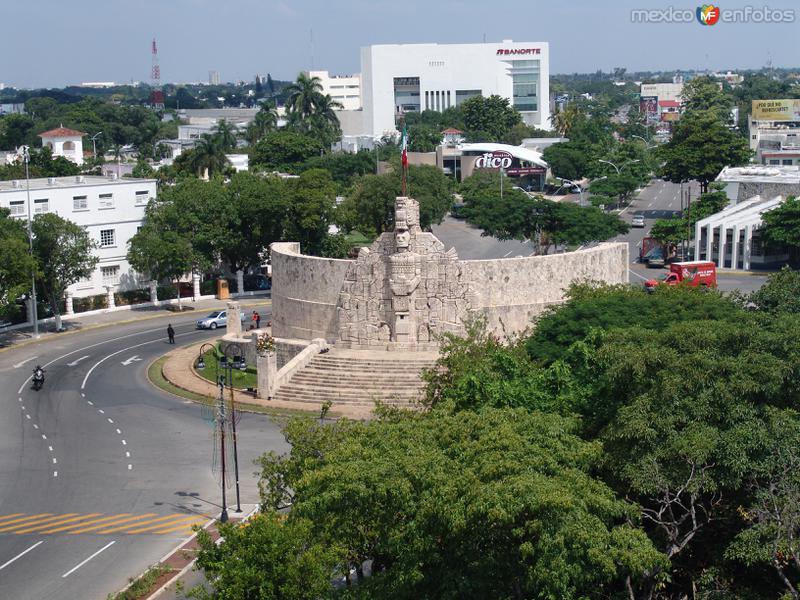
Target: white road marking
column 132, row 359
column 124, row 443
column 55, row 462
column 55, row 473
column 79, row 565
column 20, row 398
column 27, row 416
column 35, row 426
column 507, row 253
column 44, row 437
column 22, row 362
column 83, row 395
column 127, row 454
column 94, row 346
column 50, row 448
column 77, row 360
column 90, row 403
column 130, row 467
column 110, row 421
column 102, row 360
column 119, row 432
column 20, row 555
column 635, row 273
column 101, row 411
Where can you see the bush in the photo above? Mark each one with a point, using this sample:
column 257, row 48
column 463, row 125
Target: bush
column 129, row 297
column 166, row 292
column 88, row 303
column 208, row 287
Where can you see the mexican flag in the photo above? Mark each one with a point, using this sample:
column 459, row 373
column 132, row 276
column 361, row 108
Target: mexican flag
column 404, row 148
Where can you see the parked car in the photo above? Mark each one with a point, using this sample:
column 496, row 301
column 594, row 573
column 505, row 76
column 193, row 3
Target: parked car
column 218, row 318
column 256, row 283
column 637, row 221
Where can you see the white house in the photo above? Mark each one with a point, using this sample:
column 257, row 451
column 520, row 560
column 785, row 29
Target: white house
column 110, row 209
column 64, row 142
column 344, row 89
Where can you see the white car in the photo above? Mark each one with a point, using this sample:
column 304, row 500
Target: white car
column 218, row 318
column 637, row 221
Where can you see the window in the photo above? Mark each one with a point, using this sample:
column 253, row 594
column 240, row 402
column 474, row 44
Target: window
column 142, row 196
column 774, row 161
column 787, row 161
column 41, row 205
column 17, row 207
column 106, row 201
column 110, row 275
column 107, row 238
column 80, row 203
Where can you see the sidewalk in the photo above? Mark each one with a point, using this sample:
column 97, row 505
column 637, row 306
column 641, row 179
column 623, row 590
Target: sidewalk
column 178, row 369
column 23, row 337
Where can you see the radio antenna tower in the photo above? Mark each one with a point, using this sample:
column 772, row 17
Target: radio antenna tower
column 156, row 95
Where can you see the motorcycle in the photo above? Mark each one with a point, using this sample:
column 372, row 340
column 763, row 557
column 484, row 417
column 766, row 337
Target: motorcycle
column 38, row 378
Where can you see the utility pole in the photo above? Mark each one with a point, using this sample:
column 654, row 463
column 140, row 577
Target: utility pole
column 221, row 418
column 27, row 157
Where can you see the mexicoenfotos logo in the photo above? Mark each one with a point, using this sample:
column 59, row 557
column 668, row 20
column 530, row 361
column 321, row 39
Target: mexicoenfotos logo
column 708, row 14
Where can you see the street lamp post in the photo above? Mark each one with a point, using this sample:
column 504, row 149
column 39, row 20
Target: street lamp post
column 235, row 351
column 647, row 144
column 220, row 419
column 577, row 185
column 618, row 169
column 27, row 157
column 94, row 145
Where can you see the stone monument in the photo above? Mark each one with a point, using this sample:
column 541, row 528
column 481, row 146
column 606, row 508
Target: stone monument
column 404, row 290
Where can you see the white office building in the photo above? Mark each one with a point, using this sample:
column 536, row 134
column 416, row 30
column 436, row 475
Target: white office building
column 110, row 209
column 402, row 78
column 344, row 89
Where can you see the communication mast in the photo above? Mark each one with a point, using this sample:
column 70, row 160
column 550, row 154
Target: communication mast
column 156, row 96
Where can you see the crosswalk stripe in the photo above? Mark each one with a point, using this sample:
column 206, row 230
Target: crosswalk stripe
column 83, row 524
column 5, row 517
column 29, row 518
column 104, row 525
column 149, row 522
column 43, row 520
column 171, row 523
column 59, row 522
column 180, row 527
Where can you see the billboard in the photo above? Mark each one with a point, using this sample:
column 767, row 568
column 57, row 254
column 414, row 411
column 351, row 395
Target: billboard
column 776, row 110
column 648, row 106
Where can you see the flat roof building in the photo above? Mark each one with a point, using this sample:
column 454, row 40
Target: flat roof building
column 401, row 78
column 344, row 89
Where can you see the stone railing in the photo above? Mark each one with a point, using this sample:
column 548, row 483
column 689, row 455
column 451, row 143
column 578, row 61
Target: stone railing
column 270, row 378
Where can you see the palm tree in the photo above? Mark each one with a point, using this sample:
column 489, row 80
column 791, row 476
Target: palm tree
column 325, row 107
column 225, row 134
column 266, row 120
column 564, row 120
column 304, row 96
column 208, row 156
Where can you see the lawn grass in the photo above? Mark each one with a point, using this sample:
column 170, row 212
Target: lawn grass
column 140, row 587
column 241, row 379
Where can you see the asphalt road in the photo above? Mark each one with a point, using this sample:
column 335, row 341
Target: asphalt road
column 101, row 474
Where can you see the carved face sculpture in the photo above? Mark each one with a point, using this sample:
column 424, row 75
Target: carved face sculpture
column 402, row 236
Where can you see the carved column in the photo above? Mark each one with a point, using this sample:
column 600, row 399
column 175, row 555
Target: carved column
column 234, row 319
column 154, row 292
column 240, row 281
column 110, row 296
column 69, row 309
column 266, row 374
column 195, row 287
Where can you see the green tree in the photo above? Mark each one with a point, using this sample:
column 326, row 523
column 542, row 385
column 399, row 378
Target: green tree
column 344, row 167
column 16, row 130
column 266, row 120
column 16, row 263
column 369, row 205
column 423, row 138
column 284, row 151
column 269, row 557
column 64, row 252
column 780, row 294
column 705, row 93
column 496, row 504
column 669, row 231
column 564, row 120
column 310, row 209
column 488, row 119
column 303, row 96
column 207, row 158
column 567, row 160
column 226, row 135
column 700, row 147
column 783, row 223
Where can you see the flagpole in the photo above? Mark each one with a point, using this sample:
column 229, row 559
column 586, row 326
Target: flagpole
column 404, row 162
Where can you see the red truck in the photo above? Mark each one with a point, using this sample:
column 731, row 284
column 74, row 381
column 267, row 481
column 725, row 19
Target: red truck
column 696, row 273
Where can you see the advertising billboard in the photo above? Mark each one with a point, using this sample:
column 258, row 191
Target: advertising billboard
column 776, row 110
column 648, row 106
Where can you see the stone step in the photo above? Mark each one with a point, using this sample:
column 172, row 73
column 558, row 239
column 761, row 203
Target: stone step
column 346, row 392
column 369, row 368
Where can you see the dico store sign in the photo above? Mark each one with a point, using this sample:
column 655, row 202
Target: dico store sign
column 499, row 159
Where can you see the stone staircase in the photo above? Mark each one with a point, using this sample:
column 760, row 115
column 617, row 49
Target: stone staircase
column 359, row 378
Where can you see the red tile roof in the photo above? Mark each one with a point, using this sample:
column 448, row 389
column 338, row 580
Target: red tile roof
column 451, row 130
column 61, row 132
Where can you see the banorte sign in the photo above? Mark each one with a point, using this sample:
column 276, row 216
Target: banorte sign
column 499, row 159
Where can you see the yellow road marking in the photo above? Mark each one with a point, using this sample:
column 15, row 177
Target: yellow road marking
column 104, row 520
column 44, row 520
column 104, row 525
column 169, row 519
column 30, row 518
column 3, row 518
column 61, row 522
column 180, row 527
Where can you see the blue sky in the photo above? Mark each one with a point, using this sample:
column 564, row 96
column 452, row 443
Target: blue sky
column 54, row 42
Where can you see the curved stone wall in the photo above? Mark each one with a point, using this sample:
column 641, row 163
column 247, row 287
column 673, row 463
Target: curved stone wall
column 509, row 292
column 512, row 292
column 305, row 290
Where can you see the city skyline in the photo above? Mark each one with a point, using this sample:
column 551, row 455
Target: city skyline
column 242, row 38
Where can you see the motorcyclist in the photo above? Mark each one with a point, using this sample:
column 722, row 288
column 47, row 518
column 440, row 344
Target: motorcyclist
column 38, row 376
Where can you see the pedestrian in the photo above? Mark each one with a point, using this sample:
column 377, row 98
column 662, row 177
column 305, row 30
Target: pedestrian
column 258, row 320
column 171, row 334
